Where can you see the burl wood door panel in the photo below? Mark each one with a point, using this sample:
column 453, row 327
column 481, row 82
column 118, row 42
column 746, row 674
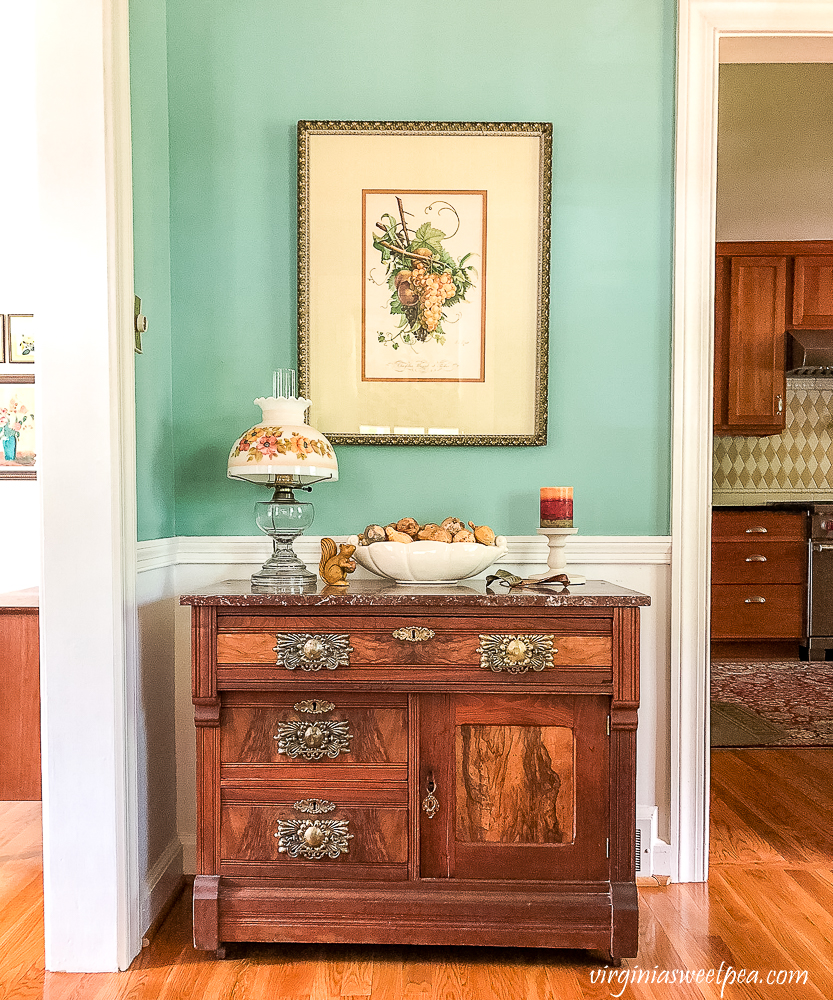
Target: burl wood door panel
column 522, row 785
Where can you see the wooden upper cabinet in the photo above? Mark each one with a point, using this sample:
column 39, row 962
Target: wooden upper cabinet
column 750, row 325
column 812, row 306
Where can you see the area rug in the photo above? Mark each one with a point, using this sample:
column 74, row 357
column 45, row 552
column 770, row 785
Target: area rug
column 779, row 704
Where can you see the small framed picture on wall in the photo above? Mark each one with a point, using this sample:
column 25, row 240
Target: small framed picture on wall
column 20, row 337
column 18, row 459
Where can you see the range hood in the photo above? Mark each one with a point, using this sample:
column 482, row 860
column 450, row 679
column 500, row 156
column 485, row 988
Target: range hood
column 810, row 354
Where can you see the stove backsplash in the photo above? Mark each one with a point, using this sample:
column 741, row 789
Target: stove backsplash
column 795, row 461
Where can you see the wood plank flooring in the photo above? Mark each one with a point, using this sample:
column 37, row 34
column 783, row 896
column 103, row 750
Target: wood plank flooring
column 768, row 906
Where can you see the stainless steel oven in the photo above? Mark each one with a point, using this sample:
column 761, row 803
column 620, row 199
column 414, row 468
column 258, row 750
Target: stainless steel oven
column 818, row 643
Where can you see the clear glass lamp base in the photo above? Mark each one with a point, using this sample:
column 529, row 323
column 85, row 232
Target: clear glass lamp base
column 283, row 571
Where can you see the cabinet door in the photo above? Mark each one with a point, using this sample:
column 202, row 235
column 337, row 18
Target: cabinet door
column 756, row 348
column 520, row 787
column 813, row 293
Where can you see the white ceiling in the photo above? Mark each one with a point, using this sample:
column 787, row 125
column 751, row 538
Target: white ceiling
column 776, row 49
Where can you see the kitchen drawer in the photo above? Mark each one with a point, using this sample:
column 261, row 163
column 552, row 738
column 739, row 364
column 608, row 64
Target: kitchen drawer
column 762, row 525
column 322, row 646
column 756, row 561
column 295, row 729
column 757, row 612
column 316, row 831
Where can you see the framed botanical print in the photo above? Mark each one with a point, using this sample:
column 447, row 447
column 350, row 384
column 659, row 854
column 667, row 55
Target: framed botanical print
column 18, row 458
column 21, row 337
column 423, row 280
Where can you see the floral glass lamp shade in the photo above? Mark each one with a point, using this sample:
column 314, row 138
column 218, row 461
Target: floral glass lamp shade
column 287, row 454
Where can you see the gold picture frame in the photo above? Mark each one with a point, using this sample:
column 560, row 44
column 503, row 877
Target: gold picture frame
column 20, row 333
column 18, row 454
column 423, row 280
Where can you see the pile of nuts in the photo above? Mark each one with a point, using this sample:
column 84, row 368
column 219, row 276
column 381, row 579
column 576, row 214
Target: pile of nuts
column 408, row 530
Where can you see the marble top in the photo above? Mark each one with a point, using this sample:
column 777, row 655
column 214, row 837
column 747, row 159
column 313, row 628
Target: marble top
column 469, row 593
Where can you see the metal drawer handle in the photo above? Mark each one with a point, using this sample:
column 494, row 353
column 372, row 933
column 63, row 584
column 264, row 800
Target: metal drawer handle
column 780, row 407
column 312, row 652
column 516, row 654
column 314, row 839
column 430, row 804
column 756, row 531
column 821, row 547
column 755, row 559
column 313, row 740
column 414, row 633
column 755, row 600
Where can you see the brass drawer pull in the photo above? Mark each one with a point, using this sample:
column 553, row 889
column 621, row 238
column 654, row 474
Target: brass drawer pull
column 313, row 740
column 312, row 652
column 755, row 600
column 414, row 633
column 516, row 654
column 314, row 806
column 315, row 706
column 430, row 804
column 757, row 531
column 755, row 559
column 313, row 839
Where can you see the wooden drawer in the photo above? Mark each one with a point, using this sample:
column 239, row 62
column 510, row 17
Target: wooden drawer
column 288, row 730
column 762, row 525
column 752, row 612
column 418, row 642
column 361, row 831
column 757, row 561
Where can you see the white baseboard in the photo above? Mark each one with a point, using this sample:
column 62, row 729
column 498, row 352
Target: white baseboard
column 161, row 882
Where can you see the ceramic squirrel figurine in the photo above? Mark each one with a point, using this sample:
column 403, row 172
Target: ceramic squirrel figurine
column 335, row 565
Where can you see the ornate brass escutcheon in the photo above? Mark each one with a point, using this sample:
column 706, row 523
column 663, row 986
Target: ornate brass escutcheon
column 312, row 652
column 414, row 633
column 314, row 806
column 430, row 804
column 315, row 706
column 516, row 654
column 313, row 740
column 313, row 839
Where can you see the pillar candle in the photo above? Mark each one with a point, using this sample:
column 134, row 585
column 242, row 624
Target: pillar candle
column 556, row 506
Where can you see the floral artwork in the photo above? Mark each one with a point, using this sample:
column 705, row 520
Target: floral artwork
column 17, row 429
column 424, row 303
column 21, row 338
column 266, row 442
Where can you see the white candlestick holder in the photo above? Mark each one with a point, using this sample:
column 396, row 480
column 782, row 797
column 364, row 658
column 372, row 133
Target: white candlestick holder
column 557, row 555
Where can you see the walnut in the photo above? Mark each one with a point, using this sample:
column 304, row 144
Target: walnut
column 434, row 533
column 483, row 534
column 464, row 536
column 408, row 526
column 452, row 525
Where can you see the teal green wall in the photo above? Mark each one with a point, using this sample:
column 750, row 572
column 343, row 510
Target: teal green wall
column 239, row 77
column 152, row 268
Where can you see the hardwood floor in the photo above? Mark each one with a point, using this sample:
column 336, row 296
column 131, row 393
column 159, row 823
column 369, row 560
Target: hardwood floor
column 768, row 906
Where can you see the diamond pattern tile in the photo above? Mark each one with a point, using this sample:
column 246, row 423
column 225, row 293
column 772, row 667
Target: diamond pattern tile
column 798, row 459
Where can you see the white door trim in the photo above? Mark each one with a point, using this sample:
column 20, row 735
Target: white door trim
column 86, row 426
column 701, row 24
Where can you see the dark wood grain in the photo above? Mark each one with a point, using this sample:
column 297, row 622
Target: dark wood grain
column 379, row 735
column 380, row 835
column 741, row 562
column 20, row 762
column 515, row 784
column 780, row 617
column 743, row 525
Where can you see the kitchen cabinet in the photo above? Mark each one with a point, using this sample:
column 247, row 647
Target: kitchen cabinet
column 762, row 290
column 422, row 765
column 812, row 305
column 750, row 344
column 759, row 574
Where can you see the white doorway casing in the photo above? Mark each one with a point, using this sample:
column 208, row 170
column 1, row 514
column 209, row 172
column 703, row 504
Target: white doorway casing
column 702, row 23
